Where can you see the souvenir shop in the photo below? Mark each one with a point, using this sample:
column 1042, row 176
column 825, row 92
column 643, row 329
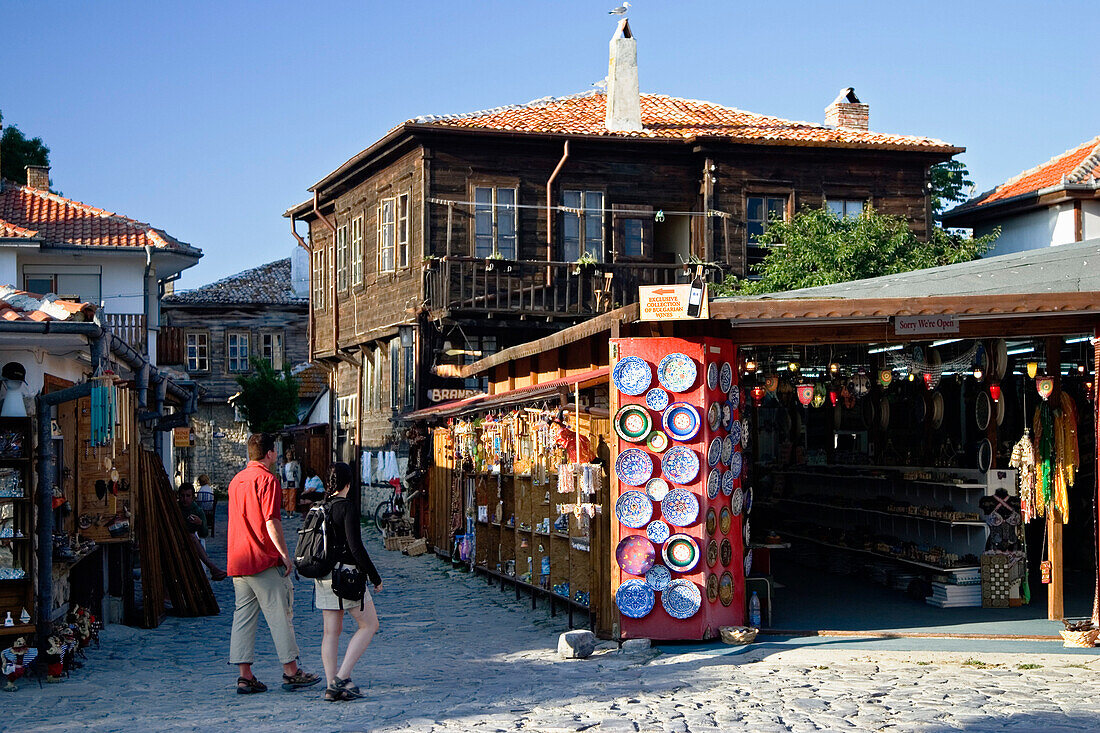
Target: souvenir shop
column 850, row 465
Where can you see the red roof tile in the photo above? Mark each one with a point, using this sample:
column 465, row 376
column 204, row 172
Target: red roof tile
column 19, row 305
column 58, row 220
column 11, row 231
column 671, row 118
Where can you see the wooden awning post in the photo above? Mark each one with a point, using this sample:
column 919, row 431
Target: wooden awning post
column 1056, row 588
column 1096, row 473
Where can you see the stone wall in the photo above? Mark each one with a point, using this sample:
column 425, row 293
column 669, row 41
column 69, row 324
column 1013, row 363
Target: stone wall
column 219, row 457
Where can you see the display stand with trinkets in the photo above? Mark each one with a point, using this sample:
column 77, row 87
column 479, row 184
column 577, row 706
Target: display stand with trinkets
column 16, row 530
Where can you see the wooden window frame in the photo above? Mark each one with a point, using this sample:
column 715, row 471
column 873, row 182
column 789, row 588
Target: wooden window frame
column 239, row 332
column 622, row 213
column 494, row 183
column 318, row 268
column 196, row 332
column 272, row 334
column 765, row 192
column 382, row 224
column 342, row 257
column 846, row 198
column 401, row 236
column 582, row 222
column 357, row 250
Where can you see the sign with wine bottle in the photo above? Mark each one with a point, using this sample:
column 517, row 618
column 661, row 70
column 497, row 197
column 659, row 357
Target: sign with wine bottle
column 687, row 301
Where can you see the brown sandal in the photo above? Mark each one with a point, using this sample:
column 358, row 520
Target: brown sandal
column 247, row 686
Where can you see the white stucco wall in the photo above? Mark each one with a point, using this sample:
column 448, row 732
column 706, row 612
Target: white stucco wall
column 38, row 363
column 9, row 272
column 1090, row 219
column 1033, row 230
column 121, row 275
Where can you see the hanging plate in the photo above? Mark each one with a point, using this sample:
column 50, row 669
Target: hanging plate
column 634, row 509
column 632, row 375
column 634, row 598
column 937, row 410
column 714, row 452
column 737, row 501
column 744, row 432
column 712, row 521
column 725, row 588
column 999, row 359
column 725, row 520
column 712, row 375
column 680, row 465
column 735, row 465
column 714, row 483
column 727, row 482
column 656, row 488
column 884, row 413
column 725, row 377
column 681, row 553
column 680, row 508
column 712, row 553
column 633, row 423
column 658, row 577
column 726, row 552
column 745, row 531
column 1000, row 410
column 635, row 554
column 982, row 410
column 657, row 441
column 676, row 372
column 657, row 532
column 985, row 456
column 634, row 466
column 735, row 398
column 748, row 562
column 748, row 500
column 735, row 431
column 682, row 599
column 656, row 399
column 714, row 416
column 727, row 449
column 681, row 421
column 712, row 587
column 727, row 416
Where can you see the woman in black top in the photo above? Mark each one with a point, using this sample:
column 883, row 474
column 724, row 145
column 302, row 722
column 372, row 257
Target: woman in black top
column 350, row 551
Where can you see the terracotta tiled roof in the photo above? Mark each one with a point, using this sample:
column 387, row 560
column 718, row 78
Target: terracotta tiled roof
column 1078, row 165
column 312, row 379
column 57, row 220
column 267, row 284
column 19, row 305
column 11, row 231
column 665, row 117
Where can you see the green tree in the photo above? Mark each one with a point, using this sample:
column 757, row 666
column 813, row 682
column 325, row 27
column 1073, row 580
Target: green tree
column 17, row 152
column 268, row 399
column 950, row 183
column 821, row 248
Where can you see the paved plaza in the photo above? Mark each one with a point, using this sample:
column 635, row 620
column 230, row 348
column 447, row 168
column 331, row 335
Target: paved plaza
column 455, row 654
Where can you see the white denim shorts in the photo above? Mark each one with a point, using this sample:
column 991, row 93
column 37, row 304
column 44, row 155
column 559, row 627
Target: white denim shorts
column 325, row 600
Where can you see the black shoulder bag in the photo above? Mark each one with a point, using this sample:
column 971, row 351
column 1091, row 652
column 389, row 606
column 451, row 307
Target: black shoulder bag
column 348, row 582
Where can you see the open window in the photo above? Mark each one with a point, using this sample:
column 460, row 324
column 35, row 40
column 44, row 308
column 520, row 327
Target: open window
column 633, row 232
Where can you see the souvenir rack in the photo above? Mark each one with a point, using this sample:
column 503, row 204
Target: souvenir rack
column 16, row 520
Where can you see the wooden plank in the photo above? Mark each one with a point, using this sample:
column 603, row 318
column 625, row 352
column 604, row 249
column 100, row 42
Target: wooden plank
column 1056, row 587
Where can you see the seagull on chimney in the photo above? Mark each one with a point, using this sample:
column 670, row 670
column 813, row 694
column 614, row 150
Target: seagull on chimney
column 621, row 10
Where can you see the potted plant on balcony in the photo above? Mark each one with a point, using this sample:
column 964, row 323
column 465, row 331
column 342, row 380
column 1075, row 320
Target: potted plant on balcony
column 491, row 260
column 585, row 260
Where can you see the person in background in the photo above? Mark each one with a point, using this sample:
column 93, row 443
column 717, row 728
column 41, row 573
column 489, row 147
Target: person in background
column 260, row 564
column 314, row 488
column 292, row 478
column 347, row 542
column 194, row 522
column 204, row 495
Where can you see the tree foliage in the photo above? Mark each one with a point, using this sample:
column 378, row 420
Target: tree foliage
column 17, row 152
column 821, row 248
column 950, row 184
column 269, row 398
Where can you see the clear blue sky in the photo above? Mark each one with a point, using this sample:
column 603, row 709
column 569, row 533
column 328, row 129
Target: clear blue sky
column 210, row 119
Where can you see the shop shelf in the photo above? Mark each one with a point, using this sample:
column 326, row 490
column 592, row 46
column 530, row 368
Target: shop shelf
column 883, row 555
column 17, row 629
column 896, row 515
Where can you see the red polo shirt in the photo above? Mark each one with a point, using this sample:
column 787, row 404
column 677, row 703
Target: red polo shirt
column 254, row 498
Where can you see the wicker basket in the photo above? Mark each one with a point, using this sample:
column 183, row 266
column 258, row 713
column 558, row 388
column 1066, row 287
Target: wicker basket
column 416, row 547
column 1083, row 639
column 397, row 543
column 737, row 634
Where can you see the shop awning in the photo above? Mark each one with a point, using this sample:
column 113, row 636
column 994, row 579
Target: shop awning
column 517, row 396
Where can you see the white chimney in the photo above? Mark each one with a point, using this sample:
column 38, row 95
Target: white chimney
column 624, row 105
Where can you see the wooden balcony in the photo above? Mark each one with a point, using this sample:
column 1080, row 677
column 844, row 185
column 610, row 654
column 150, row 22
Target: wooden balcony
column 171, row 348
column 130, row 327
column 542, row 289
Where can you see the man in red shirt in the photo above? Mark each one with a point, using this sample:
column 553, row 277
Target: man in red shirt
column 260, row 564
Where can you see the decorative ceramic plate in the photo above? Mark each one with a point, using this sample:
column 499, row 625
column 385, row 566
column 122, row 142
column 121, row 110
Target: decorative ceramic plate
column 714, row 452
column 725, row 588
column 714, row 416
column 712, row 521
column 748, row 501
column 681, row 553
column 748, row 562
column 634, row 509
column 634, row 598
column 735, row 465
column 634, row 466
column 633, row 423
column 1000, row 410
column 680, row 465
column 712, row 553
column 744, row 432
column 680, row 508
column 735, row 431
column 725, row 552
column 635, row 554
column 656, row 488
column 714, row 483
column 676, row 372
column 656, row 399
column 982, row 410
column 735, row 397
column 632, row 375
column 737, row 501
column 727, row 482
column 681, row 421
column 985, row 456
column 657, row 441
column 657, row 532
column 725, row 377
column 681, row 599
column 712, row 375
column 727, row 415
column 727, row 449
column 725, row 520
column 712, row 587
column 745, row 533
column 658, row 577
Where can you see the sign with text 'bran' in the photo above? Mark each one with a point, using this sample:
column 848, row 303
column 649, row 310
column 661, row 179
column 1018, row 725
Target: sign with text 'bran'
column 925, row 325
column 672, row 302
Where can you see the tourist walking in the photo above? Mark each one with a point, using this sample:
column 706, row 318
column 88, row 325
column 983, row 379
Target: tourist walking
column 260, row 564
column 351, row 558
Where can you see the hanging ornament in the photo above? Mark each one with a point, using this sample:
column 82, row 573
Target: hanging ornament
column 1032, row 369
column 758, row 393
column 885, row 377
column 834, row 368
column 979, row 375
column 995, row 392
column 805, row 393
column 861, row 384
column 819, row 395
column 793, row 366
column 750, row 366
column 771, row 383
column 1045, row 387
column 834, row 396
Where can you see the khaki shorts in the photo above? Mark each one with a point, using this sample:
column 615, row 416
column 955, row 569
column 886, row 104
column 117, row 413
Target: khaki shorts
column 325, row 600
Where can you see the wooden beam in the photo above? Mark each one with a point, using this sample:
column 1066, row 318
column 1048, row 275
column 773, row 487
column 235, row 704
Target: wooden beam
column 1056, row 587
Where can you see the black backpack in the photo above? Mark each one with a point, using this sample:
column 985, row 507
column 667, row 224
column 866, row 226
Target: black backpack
column 316, row 553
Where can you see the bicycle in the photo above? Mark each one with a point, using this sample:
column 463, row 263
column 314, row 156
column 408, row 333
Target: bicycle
column 392, row 515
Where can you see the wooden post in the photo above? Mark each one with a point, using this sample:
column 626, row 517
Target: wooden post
column 1096, row 506
column 1056, row 588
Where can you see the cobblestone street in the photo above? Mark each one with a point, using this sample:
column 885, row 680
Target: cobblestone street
column 456, row 655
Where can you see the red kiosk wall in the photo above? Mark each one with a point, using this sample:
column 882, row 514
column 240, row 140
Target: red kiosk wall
column 658, row 624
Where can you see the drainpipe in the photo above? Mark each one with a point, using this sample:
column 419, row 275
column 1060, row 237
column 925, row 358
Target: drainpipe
column 335, row 306
column 309, row 298
column 550, row 211
column 145, row 294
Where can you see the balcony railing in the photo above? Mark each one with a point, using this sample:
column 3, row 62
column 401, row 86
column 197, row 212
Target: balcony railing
column 130, row 327
column 549, row 289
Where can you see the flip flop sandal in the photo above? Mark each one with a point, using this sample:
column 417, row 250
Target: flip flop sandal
column 299, row 679
column 249, row 686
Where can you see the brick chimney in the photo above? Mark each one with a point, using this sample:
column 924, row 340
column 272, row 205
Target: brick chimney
column 847, row 111
column 38, row 176
column 624, row 104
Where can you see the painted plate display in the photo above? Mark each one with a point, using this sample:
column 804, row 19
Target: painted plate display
column 714, row 483
column 748, row 562
column 725, row 520
column 657, row 532
column 735, row 431
column 636, row 554
column 634, row 509
column 714, row 416
column 681, row 553
column 714, row 452
column 633, row 423
column 747, row 505
column 744, row 432
column 725, row 377
column 735, row 465
column 712, row 553
column 727, row 449
column 712, row 521
column 727, row 482
column 676, row 372
column 657, row 441
column 681, row 599
column 656, row 488
column 737, row 501
column 632, row 375
column 680, row 465
column 725, row 588
column 982, row 410
column 634, row 466
column 658, row 577
column 680, row 508
column 634, row 598
column 681, row 421
column 656, row 399
column 726, row 552
column 712, row 587
column 727, row 415
column 745, row 531
column 735, row 397
column 712, row 375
